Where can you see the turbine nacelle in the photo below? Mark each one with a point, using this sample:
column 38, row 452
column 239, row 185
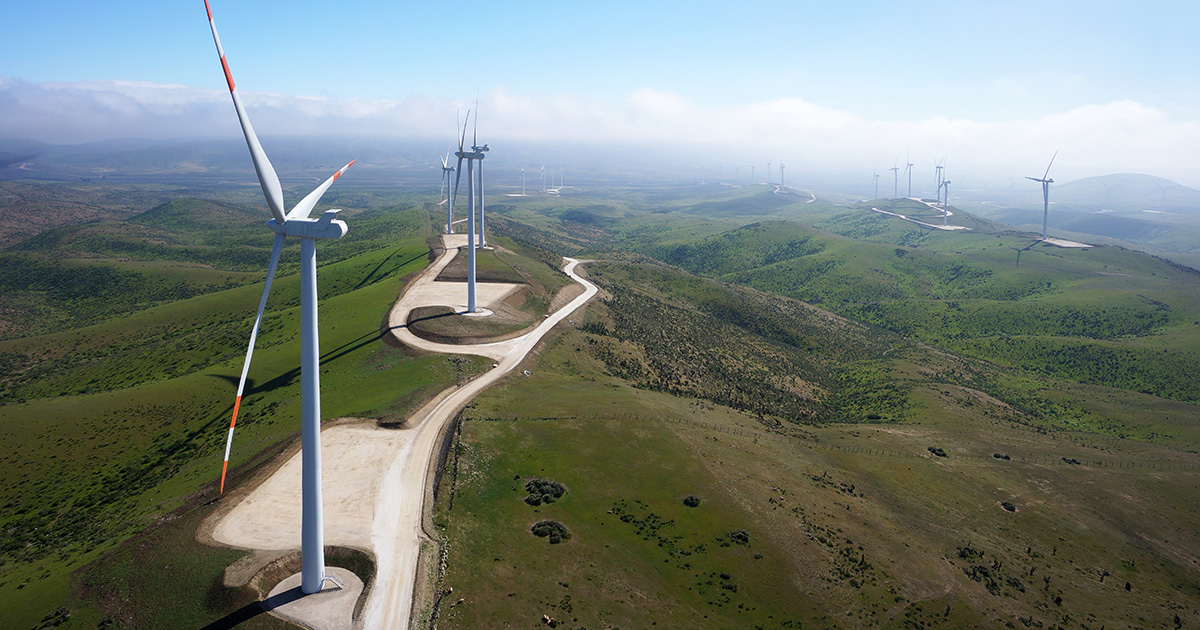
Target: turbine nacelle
column 325, row 227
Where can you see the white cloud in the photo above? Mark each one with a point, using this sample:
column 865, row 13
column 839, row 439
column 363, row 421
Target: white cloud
column 1123, row 135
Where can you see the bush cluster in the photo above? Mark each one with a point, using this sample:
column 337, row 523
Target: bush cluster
column 556, row 531
column 543, row 491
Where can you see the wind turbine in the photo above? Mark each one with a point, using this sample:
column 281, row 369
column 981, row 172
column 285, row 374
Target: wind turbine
column 479, row 150
column 446, row 170
column 470, row 157
column 295, row 223
column 543, row 178
column 752, row 175
column 522, row 182
column 945, row 209
column 768, row 172
column 876, row 180
column 938, row 169
column 895, row 179
column 908, row 169
column 1046, row 181
column 781, row 173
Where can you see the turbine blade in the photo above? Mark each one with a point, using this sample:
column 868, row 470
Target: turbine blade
column 262, row 304
column 267, row 177
column 1047, row 175
column 462, row 141
column 475, row 132
column 1034, row 179
column 457, row 176
column 306, row 204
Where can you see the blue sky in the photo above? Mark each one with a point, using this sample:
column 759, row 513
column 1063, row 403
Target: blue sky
column 896, row 69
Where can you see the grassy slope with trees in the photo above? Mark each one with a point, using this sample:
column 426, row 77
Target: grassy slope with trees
column 116, row 422
column 810, row 439
column 975, row 494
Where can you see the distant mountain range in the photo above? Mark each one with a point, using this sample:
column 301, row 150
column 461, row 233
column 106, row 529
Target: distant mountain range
column 1124, row 192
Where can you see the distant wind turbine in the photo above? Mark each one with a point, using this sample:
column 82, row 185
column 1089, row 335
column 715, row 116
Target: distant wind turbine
column 908, row 169
column 1045, row 181
column 470, row 157
column 781, row 173
column 449, row 201
column 895, row 179
column 945, row 208
column 938, row 178
column 479, row 150
column 875, row 178
column 768, row 172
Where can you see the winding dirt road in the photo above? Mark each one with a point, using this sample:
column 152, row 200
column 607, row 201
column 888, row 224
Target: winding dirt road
column 375, row 480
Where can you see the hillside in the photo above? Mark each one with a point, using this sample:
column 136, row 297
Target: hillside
column 907, row 489
column 873, row 423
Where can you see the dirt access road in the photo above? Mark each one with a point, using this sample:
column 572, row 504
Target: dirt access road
column 375, row 479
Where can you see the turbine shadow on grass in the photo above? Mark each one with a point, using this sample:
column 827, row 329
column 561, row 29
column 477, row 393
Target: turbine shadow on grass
column 254, row 609
column 283, row 380
column 1025, row 249
column 368, row 278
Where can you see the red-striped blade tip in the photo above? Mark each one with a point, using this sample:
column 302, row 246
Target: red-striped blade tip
column 343, row 170
column 224, row 467
column 208, row 10
column 228, row 75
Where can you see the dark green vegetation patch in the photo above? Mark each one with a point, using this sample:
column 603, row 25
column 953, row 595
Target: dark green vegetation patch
column 543, row 491
column 553, row 530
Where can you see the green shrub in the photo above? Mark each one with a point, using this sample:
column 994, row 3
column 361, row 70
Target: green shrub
column 556, row 531
column 543, row 491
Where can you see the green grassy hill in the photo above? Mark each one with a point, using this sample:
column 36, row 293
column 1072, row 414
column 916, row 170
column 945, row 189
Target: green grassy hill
column 913, row 489
column 873, row 424
column 115, row 425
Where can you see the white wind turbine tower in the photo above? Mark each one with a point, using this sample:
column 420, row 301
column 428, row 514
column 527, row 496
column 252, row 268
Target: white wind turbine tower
column 470, row 157
column 1046, row 181
column 768, row 172
column 781, row 173
column 938, row 166
column 543, row 178
column 908, row 169
column 752, row 175
column 295, row 223
column 448, row 200
column 876, row 180
column 480, row 150
column 522, row 182
column 946, row 203
column 895, row 178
